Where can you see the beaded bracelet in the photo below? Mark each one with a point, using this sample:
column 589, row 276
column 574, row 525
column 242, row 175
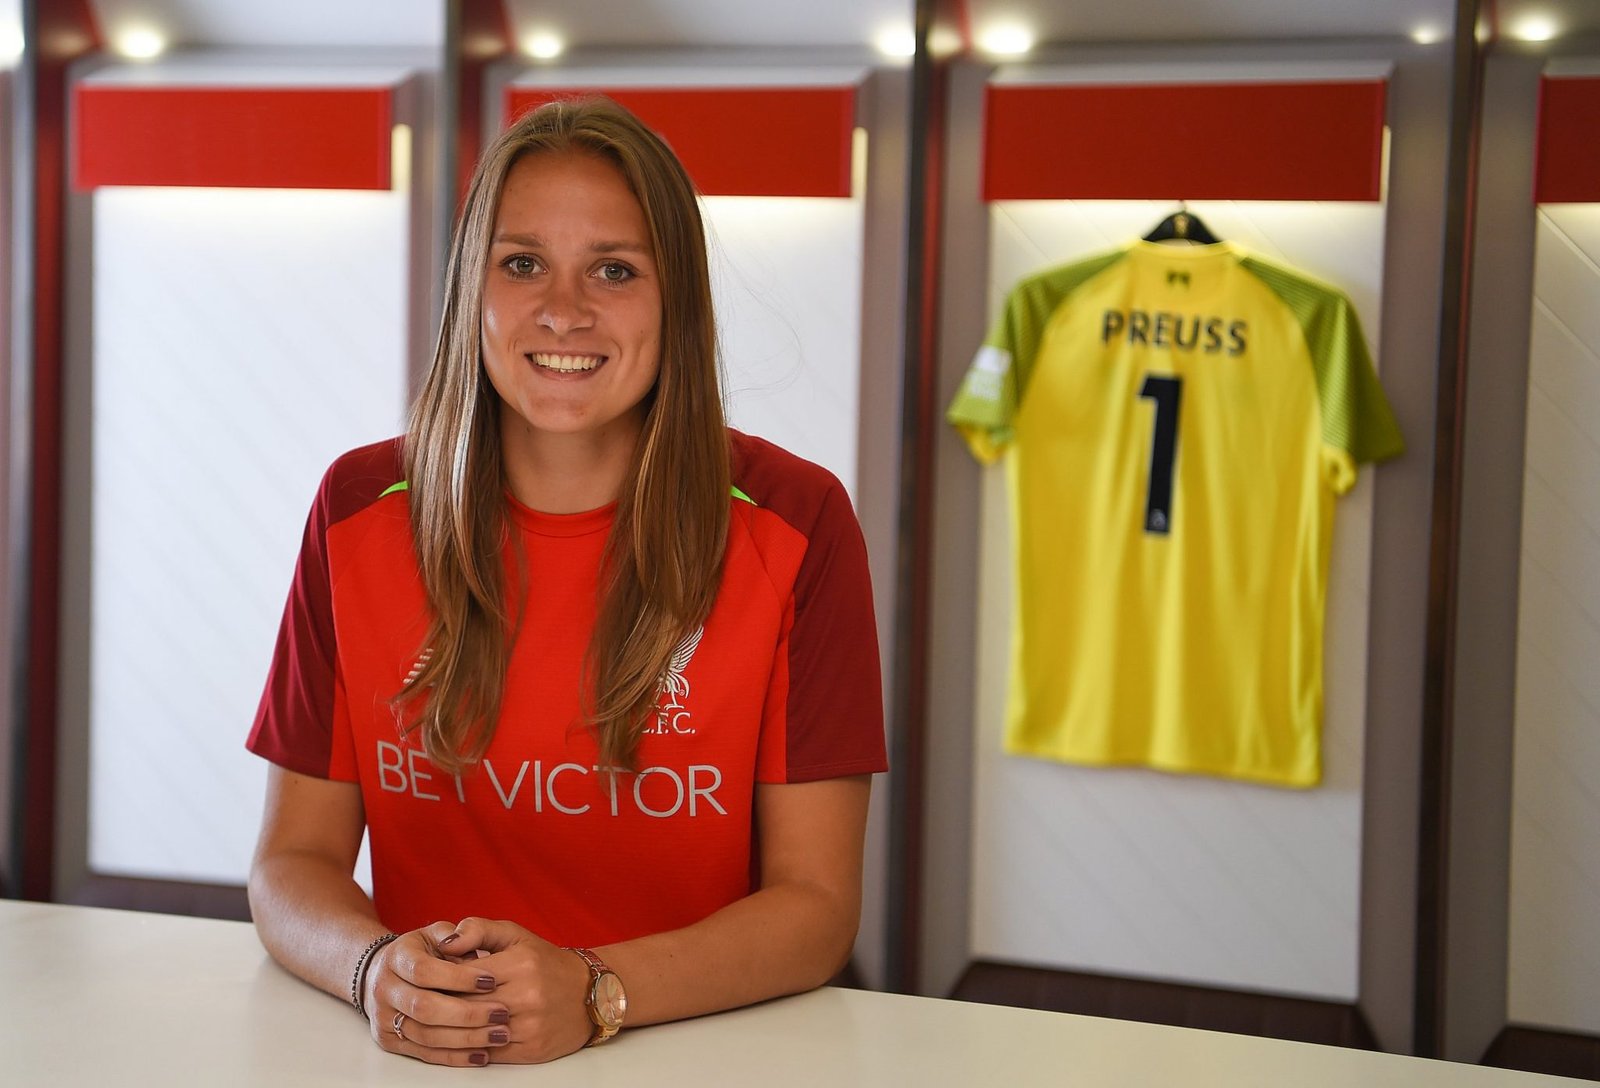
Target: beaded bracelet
column 358, row 979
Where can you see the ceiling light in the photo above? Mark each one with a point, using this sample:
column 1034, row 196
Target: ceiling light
column 1535, row 28
column 543, row 45
column 943, row 41
column 1428, row 34
column 400, row 158
column 899, row 42
column 483, row 46
column 141, row 43
column 1006, row 40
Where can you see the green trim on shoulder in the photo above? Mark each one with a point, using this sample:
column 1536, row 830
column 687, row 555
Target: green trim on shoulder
column 1034, row 301
column 1064, row 279
column 1356, row 416
column 991, row 393
column 741, row 496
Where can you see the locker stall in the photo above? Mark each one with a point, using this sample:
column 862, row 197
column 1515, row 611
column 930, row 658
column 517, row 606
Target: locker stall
column 250, row 233
column 246, row 322
column 1555, row 952
column 1524, row 962
column 1132, row 873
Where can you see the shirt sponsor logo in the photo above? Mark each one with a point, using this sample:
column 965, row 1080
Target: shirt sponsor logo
column 657, row 792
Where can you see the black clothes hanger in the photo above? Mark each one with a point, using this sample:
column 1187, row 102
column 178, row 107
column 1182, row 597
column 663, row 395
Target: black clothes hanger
column 1182, row 226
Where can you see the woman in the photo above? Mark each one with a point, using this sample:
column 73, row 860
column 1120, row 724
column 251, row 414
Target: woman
column 597, row 675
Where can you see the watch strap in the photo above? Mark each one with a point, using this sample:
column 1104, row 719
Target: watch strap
column 597, row 969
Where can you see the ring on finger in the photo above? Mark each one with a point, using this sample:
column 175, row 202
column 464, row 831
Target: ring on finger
column 399, row 1022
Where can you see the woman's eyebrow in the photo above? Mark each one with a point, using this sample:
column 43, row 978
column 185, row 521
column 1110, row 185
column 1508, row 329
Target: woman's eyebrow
column 619, row 247
column 533, row 241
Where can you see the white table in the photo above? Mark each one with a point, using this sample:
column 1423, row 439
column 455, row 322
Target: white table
column 101, row 997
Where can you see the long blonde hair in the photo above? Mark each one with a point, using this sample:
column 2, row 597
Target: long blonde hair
column 663, row 560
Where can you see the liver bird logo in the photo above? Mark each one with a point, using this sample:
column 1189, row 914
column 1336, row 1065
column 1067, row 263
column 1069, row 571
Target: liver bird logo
column 671, row 715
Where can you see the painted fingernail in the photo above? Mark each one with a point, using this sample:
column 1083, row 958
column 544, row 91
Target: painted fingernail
column 478, row 1057
column 485, row 982
column 500, row 1035
column 500, row 1016
column 450, row 939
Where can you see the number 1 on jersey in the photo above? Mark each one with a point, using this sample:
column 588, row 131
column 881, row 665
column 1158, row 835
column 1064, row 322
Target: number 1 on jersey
column 1167, row 394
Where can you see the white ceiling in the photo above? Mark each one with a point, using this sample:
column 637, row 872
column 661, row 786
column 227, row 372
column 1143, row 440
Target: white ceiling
column 719, row 23
column 1071, row 21
column 278, row 23
column 791, row 23
column 399, row 23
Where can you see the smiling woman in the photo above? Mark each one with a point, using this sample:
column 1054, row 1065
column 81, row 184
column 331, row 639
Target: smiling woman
column 597, row 674
column 571, row 328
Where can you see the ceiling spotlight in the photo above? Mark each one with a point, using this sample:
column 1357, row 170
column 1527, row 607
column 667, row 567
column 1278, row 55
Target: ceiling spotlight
column 141, row 43
column 543, row 45
column 943, row 41
column 1427, row 34
column 1006, row 40
column 1535, row 28
column 482, row 46
column 896, row 43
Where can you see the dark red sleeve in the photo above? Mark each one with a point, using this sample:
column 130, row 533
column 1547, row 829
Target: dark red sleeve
column 294, row 722
column 835, row 717
column 833, row 705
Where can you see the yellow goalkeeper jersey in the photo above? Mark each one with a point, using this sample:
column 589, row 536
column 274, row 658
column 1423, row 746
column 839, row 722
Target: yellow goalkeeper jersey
column 1178, row 422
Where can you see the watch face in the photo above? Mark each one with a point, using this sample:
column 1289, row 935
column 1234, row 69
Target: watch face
column 610, row 1003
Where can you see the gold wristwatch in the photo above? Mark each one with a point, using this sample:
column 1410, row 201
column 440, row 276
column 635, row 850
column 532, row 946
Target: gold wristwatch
column 606, row 1001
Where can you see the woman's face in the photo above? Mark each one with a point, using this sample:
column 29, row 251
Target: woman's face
column 571, row 303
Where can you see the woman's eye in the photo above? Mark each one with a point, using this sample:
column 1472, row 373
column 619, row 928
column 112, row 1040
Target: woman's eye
column 615, row 272
column 522, row 266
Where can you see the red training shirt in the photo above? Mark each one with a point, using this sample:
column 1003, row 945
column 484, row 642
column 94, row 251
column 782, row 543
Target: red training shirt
column 781, row 685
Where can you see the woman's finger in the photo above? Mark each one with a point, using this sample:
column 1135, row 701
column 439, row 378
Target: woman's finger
column 416, row 959
column 432, row 1037
column 447, row 1010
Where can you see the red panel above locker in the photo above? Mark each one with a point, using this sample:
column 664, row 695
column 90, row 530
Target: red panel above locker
column 1184, row 141
column 739, row 141
column 1568, row 165
column 259, row 137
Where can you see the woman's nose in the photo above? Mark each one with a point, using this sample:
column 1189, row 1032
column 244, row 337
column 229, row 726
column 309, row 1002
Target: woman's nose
column 563, row 308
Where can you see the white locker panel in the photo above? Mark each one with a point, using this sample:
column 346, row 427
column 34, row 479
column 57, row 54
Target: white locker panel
column 242, row 340
column 786, row 276
column 1554, row 969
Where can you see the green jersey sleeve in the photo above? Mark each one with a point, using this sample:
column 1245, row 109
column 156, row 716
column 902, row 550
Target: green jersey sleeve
column 985, row 406
column 1356, row 417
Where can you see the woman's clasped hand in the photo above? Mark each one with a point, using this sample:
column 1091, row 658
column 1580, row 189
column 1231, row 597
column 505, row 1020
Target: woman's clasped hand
column 479, row 992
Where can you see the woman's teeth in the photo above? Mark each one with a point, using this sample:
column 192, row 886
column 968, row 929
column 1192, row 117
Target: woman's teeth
column 566, row 363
